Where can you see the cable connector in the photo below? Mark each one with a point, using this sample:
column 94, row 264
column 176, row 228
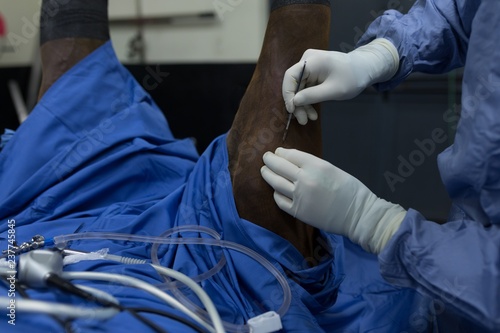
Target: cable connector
column 35, row 243
column 36, row 266
column 265, row 323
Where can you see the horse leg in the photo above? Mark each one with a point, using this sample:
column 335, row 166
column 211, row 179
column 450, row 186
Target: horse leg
column 69, row 31
column 294, row 26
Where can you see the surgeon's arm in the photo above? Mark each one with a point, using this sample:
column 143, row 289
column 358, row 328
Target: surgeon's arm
column 457, row 264
column 431, row 38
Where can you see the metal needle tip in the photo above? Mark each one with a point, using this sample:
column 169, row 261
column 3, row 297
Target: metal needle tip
column 296, row 91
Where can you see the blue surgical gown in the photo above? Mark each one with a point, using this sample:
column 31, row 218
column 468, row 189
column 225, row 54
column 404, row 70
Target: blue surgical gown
column 458, row 263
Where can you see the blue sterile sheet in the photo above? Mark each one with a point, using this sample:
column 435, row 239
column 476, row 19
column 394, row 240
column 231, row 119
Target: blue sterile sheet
column 96, row 154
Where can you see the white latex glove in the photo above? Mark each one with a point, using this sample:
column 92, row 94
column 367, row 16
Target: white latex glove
column 331, row 75
column 322, row 195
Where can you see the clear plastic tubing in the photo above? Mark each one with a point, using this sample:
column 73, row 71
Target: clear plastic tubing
column 61, row 242
column 173, row 285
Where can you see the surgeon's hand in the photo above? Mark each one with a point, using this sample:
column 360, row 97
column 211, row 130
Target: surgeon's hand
column 331, row 75
column 322, row 195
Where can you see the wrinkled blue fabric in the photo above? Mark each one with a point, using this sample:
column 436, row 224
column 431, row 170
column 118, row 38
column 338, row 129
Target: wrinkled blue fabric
column 96, row 154
column 367, row 303
column 458, row 262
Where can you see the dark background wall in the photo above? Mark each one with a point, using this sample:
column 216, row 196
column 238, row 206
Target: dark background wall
column 8, row 117
column 368, row 137
column 199, row 101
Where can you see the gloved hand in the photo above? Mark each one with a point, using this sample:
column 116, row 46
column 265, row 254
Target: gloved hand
column 331, row 75
column 322, row 195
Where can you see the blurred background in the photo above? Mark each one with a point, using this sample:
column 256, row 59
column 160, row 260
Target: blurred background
column 196, row 57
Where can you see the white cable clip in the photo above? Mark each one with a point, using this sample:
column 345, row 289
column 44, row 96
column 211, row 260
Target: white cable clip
column 265, row 323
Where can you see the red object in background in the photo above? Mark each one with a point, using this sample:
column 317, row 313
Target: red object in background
column 3, row 26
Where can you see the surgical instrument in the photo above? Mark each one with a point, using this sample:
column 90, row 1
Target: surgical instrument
column 296, row 91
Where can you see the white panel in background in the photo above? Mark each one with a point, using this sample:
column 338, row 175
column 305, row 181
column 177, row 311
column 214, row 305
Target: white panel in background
column 21, row 20
column 234, row 35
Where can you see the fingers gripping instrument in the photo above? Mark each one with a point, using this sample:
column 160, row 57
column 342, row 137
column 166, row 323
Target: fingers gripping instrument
column 296, row 91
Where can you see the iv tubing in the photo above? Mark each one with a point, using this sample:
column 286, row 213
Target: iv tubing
column 173, row 285
column 184, row 279
column 61, row 241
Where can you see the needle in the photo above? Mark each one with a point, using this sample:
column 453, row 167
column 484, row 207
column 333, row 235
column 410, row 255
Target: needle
column 296, row 91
